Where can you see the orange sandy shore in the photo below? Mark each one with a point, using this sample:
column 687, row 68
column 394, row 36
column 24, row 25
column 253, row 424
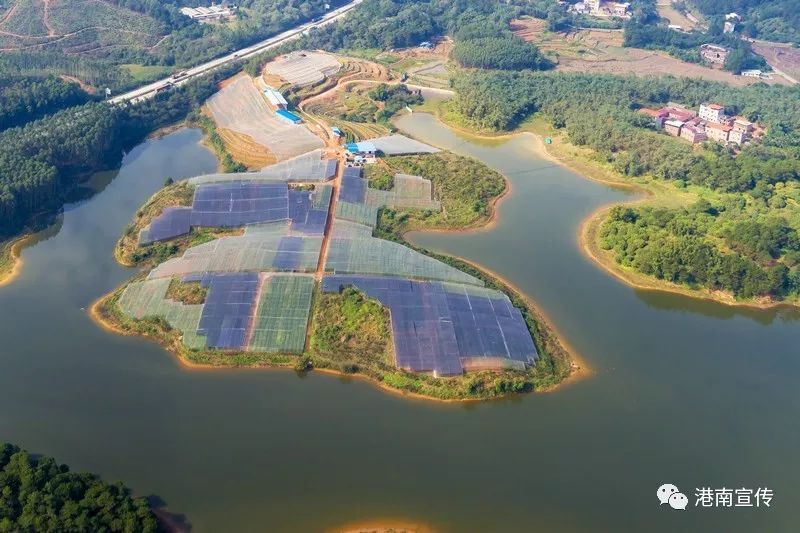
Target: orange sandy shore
column 400, row 525
column 15, row 254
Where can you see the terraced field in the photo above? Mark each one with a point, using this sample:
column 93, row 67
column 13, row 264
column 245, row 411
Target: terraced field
column 349, row 108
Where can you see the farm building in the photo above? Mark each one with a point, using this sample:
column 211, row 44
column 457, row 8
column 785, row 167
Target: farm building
column 212, row 12
column 288, row 116
column 275, row 99
column 755, row 73
column 362, row 152
column 337, row 132
column 710, row 124
column 713, row 54
column 742, row 124
column 362, row 148
column 673, row 127
column 681, row 114
column 599, row 8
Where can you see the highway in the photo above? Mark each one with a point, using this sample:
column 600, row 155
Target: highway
column 149, row 90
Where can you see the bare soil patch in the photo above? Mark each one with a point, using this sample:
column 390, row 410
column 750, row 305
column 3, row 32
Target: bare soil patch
column 646, row 63
column 782, row 57
column 667, row 10
column 601, row 52
column 240, row 107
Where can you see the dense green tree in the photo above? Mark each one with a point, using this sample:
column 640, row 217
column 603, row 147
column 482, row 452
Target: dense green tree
column 37, row 494
column 23, row 99
column 506, row 53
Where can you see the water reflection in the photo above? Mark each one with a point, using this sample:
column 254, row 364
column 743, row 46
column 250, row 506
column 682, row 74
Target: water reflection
column 677, row 302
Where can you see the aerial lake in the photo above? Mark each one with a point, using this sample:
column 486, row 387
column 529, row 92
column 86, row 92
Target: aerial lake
column 682, row 391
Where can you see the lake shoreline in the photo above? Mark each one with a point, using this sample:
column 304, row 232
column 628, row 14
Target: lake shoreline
column 12, row 250
column 98, row 313
column 579, row 366
column 589, row 229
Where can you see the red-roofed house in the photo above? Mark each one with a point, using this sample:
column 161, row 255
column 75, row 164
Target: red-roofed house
column 712, row 113
column 718, row 132
column 679, row 114
column 694, row 134
column 654, row 113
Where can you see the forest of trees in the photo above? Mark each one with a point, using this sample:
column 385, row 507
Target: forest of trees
column 23, row 99
column 505, row 53
column 41, row 161
column 38, row 494
column 386, row 24
column 678, row 245
column 752, row 232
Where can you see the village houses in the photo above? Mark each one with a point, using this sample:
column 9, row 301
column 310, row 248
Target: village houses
column 709, row 123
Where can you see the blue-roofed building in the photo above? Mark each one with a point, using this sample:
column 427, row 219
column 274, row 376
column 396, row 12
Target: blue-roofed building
column 336, row 131
column 288, row 116
column 362, row 152
column 362, row 148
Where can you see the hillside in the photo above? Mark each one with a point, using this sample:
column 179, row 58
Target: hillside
column 771, row 20
column 87, row 27
column 121, row 43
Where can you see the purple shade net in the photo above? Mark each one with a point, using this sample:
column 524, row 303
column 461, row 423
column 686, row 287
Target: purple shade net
column 217, row 205
column 228, row 308
column 439, row 327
